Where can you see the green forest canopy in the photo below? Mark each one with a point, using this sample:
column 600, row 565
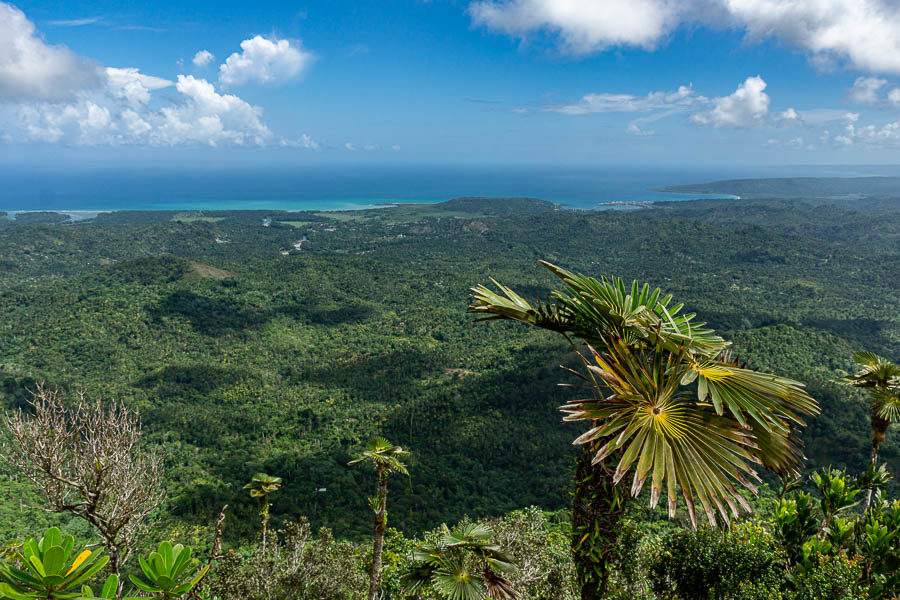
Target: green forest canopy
column 246, row 350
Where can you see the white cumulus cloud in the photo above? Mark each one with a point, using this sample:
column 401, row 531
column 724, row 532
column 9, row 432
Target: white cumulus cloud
column 119, row 114
column 203, row 58
column 789, row 116
column 865, row 90
column 50, row 94
column 635, row 129
column 796, row 143
column 879, row 136
column 864, row 32
column 207, row 117
column 584, row 25
column 33, row 70
column 262, row 60
column 132, row 85
column 894, row 96
column 746, row 107
column 304, row 141
column 684, row 98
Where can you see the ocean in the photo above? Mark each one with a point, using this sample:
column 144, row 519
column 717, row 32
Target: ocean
column 354, row 187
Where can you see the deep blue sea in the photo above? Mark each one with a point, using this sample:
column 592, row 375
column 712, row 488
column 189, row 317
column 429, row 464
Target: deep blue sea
column 349, row 187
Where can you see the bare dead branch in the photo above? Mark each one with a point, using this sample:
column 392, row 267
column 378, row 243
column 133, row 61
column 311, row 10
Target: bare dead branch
column 87, row 460
column 213, row 554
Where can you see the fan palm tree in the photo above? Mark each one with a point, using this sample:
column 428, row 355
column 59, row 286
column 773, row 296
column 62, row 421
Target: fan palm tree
column 385, row 458
column 462, row 565
column 668, row 403
column 881, row 378
column 260, row 487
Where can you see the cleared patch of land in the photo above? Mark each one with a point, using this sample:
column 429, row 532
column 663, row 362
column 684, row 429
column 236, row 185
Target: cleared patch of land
column 208, row 271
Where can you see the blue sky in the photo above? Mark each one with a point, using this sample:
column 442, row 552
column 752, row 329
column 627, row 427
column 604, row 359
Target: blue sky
column 703, row 82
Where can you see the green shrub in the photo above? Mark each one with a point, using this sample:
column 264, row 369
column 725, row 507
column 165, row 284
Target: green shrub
column 712, row 564
column 299, row 566
column 541, row 551
column 830, row 578
column 170, row 571
column 51, row 567
column 749, row 590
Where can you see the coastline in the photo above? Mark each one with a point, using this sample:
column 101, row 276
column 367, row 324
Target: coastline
column 81, row 214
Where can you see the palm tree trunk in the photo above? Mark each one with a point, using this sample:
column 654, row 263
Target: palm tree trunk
column 879, row 434
column 597, row 509
column 868, row 502
column 380, row 526
column 264, row 516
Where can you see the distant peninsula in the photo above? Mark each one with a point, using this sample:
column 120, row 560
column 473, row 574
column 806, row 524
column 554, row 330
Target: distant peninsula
column 796, row 187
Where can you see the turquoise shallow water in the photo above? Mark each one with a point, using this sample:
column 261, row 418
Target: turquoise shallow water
column 347, row 187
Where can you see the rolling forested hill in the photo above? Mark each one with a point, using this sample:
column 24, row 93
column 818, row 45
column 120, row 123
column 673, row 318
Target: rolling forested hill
column 282, row 347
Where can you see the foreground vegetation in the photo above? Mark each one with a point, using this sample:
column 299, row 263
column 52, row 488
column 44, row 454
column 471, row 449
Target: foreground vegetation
column 783, row 552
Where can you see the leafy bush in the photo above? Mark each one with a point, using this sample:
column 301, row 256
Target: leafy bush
column 49, row 568
column 299, row 566
column 540, row 549
column 830, row 578
column 815, row 538
column 538, row 543
column 464, row 563
column 717, row 564
column 170, row 571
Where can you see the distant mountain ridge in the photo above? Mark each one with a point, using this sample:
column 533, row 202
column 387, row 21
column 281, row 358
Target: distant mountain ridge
column 796, row 187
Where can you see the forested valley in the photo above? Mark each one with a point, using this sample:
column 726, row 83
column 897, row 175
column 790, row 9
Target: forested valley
column 282, row 342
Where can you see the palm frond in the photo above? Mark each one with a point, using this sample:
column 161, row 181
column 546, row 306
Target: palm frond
column 468, row 533
column 511, row 306
column 463, row 563
column 699, row 445
column 881, row 378
column 886, row 404
column 263, row 484
column 766, row 399
column 660, row 433
column 498, row 587
column 874, row 371
column 383, row 455
column 778, row 451
column 454, row 581
column 416, row 578
column 598, row 308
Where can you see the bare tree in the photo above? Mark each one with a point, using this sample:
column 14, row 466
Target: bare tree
column 86, row 459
